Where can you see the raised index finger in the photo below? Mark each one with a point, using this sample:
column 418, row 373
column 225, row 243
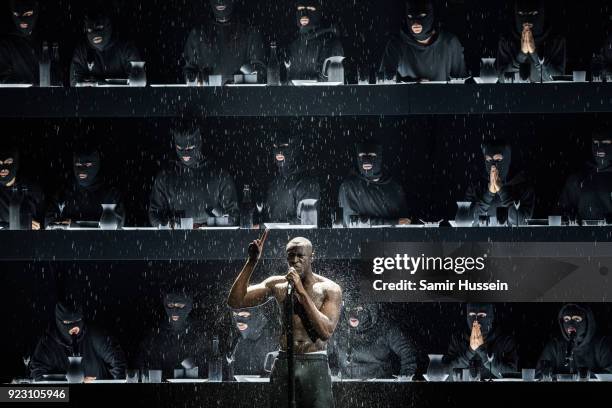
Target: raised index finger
column 263, row 238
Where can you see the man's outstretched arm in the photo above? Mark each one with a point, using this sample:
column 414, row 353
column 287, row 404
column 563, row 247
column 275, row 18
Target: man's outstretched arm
column 242, row 295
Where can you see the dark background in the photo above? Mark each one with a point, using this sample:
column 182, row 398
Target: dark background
column 125, row 298
column 434, row 158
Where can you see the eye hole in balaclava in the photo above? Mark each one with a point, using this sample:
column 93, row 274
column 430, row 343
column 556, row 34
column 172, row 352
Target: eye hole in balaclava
column 98, row 29
column 498, row 154
column 531, row 13
column 484, row 314
column 86, row 167
column 9, row 164
column 602, row 150
column 574, row 322
column 25, row 15
column 188, row 143
column 69, row 321
column 222, row 9
column 420, row 19
column 308, row 14
column 177, row 305
column 369, row 160
column 251, row 321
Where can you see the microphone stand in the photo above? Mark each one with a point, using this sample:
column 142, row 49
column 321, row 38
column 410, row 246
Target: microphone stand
column 290, row 351
column 569, row 353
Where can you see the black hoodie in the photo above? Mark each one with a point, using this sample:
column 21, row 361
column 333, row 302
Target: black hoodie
column 376, row 348
column 102, row 355
column 590, row 350
column 382, row 202
column 309, row 50
column 89, row 64
column 501, row 348
column 79, row 203
column 221, row 48
column 550, row 47
column 439, row 61
column 32, row 198
column 19, row 59
column 166, row 346
column 587, row 195
column 515, row 190
column 258, row 337
column 196, row 191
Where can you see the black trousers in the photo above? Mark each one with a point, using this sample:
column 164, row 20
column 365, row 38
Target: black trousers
column 313, row 387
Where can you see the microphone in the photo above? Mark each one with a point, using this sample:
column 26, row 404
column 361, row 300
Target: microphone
column 290, row 284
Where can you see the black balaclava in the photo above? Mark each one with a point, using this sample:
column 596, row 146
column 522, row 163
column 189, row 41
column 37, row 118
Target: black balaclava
column 223, row 16
column 486, row 323
column 72, row 314
column 503, row 166
column 583, row 330
column 528, row 8
column 365, row 314
column 255, row 323
column 188, row 143
column 99, row 24
column 18, row 8
column 415, row 9
column 314, row 17
column 91, row 172
column 11, row 168
column 370, row 147
column 181, row 313
column 602, row 152
column 287, row 147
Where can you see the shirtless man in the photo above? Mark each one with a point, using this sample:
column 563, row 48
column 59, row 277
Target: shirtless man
column 316, row 313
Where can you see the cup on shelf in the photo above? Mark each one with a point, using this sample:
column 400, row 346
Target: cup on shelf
column 155, row 376
column 528, row 374
column 554, row 220
column 179, row 373
column 186, row 223
column 579, row 76
column 215, row 80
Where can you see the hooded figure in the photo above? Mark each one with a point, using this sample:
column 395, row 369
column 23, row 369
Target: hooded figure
column 192, row 187
column 500, row 347
column 292, row 184
column 421, row 51
column 255, row 337
column 371, row 194
column 70, row 336
column 15, row 190
column 223, row 46
column 102, row 54
column 313, row 45
column 578, row 346
column 82, row 200
column 549, row 56
column 366, row 345
column 20, row 49
column 514, row 190
column 177, row 342
column 587, row 194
